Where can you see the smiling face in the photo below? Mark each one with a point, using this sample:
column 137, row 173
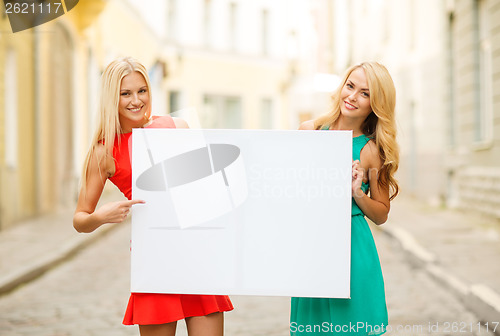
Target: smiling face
column 355, row 96
column 134, row 101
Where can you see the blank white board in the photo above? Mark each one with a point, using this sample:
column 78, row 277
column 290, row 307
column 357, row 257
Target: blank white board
column 241, row 212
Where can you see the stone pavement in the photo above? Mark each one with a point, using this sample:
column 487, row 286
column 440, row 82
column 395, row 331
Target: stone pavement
column 459, row 251
column 32, row 247
column 87, row 296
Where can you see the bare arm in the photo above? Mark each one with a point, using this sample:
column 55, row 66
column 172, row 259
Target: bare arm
column 376, row 206
column 86, row 217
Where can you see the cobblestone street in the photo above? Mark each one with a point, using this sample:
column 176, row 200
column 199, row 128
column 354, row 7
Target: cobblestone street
column 88, row 295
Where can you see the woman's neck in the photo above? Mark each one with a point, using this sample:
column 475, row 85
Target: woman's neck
column 348, row 125
column 127, row 126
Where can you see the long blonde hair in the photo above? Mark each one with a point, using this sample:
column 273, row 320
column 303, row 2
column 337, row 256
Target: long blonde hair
column 108, row 123
column 380, row 125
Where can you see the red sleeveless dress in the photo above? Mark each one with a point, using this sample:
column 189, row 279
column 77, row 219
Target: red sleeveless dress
column 146, row 308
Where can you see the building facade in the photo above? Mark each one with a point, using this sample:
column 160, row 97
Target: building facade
column 473, row 119
column 229, row 62
column 444, row 58
column 225, row 64
column 17, row 141
column 48, row 88
column 40, row 98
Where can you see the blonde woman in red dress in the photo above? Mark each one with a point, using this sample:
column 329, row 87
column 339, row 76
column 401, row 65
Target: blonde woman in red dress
column 126, row 104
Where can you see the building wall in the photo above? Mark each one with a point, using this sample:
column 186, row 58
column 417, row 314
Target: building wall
column 238, row 54
column 444, row 56
column 474, row 177
column 54, row 116
column 37, row 128
column 408, row 38
column 236, row 62
column 17, row 171
column 248, row 81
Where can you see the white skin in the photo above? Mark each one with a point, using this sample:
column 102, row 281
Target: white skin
column 132, row 107
column 354, row 109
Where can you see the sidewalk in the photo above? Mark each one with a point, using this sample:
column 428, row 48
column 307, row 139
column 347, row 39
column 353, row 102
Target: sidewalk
column 32, row 247
column 459, row 250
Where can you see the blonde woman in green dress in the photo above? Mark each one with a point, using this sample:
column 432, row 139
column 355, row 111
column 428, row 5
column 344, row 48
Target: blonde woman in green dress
column 364, row 103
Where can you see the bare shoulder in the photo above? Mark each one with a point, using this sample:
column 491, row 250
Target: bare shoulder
column 101, row 159
column 180, row 123
column 370, row 154
column 99, row 153
column 307, row 125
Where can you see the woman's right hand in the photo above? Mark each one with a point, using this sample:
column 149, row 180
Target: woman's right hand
column 87, row 220
column 115, row 212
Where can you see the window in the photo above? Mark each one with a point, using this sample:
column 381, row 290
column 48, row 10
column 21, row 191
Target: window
column 221, row 112
column 413, row 155
column 232, row 26
column 266, row 114
column 231, row 113
column 94, row 79
column 207, row 22
column 452, row 126
column 172, row 19
column 412, row 24
column 483, row 118
column 265, row 32
column 11, row 126
column 173, row 101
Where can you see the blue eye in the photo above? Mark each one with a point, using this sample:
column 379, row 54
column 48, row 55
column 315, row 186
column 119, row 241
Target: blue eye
column 365, row 94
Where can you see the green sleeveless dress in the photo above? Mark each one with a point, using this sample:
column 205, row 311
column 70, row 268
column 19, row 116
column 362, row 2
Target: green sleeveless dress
column 365, row 313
